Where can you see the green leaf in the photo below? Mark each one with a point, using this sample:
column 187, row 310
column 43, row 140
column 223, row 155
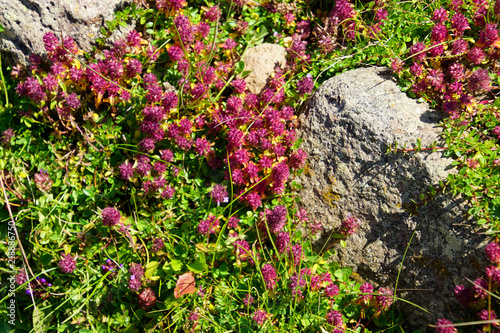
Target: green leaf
column 151, row 269
column 45, row 259
column 176, row 265
column 200, row 265
column 240, row 66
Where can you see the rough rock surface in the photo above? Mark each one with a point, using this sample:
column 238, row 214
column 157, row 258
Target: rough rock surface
column 262, row 60
column 26, row 21
column 346, row 127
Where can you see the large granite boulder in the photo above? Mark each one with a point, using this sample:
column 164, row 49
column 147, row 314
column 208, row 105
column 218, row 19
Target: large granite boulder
column 347, row 127
column 26, row 22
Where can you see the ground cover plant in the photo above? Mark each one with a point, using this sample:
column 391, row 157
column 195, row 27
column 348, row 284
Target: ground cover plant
column 152, row 191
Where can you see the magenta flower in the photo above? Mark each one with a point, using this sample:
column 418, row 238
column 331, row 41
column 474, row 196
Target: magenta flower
column 484, row 314
column 134, row 67
column 440, row 15
column 49, row 82
column 488, row 35
column 334, row 318
column 134, row 283
column 439, row 32
column 280, row 174
column 133, row 39
column 297, row 254
column 185, row 29
column 368, row 289
column 381, row 14
column 248, row 299
column 417, row 51
column 283, row 242
column 67, row 264
column 349, row 226
column 239, row 85
column 20, row 278
column 297, row 159
column 332, row 290
column 208, row 226
column 460, row 23
column 229, row 44
column 233, row 222
column 260, row 316
column 126, row 170
column 445, row 326
column 416, row 69
column 459, row 46
column 253, row 199
column 219, row 194
column 212, row 14
column 384, row 300
column 137, row 270
column 463, row 295
column 479, row 80
column 202, row 146
column 496, row 131
column 343, row 10
column 110, row 216
column 457, row 71
column 167, row 155
column 51, row 42
column 7, row 136
column 476, row 55
column 269, row 275
column 297, row 283
column 436, row 49
column 243, row 250
column 276, row 218
column 175, row 53
column 157, row 245
column 305, row 85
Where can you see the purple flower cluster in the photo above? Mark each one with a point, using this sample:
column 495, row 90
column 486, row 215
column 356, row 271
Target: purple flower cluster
column 243, row 250
column 297, row 254
column 157, row 245
column 334, row 318
column 332, row 290
column 305, row 85
column 21, row 278
column 349, row 226
column 7, row 136
column 276, row 219
column 445, row 326
column 479, row 80
column 136, row 273
column 269, row 275
column 283, row 242
column 67, row 264
column 219, row 194
column 384, row 300
column 367, row 289
column 110, row 216
column 297, row 284
column 260, row 316
column 493, row 252
column 248, row 300
column 208, row 226
column 232, row 223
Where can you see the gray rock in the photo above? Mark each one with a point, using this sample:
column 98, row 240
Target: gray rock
column 26, row 22
column 346, row 127
column 262, row 60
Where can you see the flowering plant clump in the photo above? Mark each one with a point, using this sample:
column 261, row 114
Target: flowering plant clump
column 156, row 189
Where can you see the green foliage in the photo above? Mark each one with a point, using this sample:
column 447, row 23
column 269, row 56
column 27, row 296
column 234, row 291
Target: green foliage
column 149, row 187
